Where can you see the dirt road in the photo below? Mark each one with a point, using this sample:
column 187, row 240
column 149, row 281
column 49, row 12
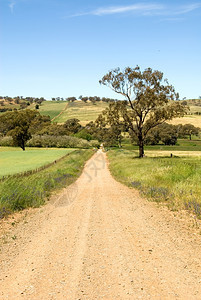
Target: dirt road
column 99, row 240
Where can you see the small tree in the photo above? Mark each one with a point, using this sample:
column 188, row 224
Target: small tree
column 111, row 120
column 168, row 134
column 189, row 130
column 85, row 99
column 17, row 124
column 72, row 126
column 149, row 100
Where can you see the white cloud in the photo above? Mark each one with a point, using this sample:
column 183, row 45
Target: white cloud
column 11, row 6
column 122, row 9
column 142, row 9
column 187, row 8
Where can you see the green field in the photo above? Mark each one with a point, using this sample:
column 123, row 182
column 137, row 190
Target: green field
column 14, row 160
column 182, row 145
column 174, row 181
column 17, row 193
column 52, row 108
column 85, row 112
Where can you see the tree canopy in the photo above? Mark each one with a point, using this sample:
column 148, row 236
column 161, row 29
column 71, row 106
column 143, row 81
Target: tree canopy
column 21, row 124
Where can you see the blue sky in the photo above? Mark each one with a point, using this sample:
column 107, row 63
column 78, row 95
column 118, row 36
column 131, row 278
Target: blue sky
column 62, row 48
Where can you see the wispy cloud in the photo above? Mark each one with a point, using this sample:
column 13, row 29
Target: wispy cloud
column 12, row 5
column 142, row 9
column 124, row 9
column 187, row 8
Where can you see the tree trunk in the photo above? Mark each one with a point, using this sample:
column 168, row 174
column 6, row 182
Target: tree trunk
column 23, row 145
column 119, row 142
column 141, row 147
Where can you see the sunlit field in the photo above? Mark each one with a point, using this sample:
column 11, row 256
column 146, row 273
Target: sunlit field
column 171, row 180
column 14, row 160
column 52, row 108
column 85, row 112
column 19, row 192
column 188, row 119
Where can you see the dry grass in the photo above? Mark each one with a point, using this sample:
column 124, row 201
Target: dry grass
column 189, row 119
column 158, row 153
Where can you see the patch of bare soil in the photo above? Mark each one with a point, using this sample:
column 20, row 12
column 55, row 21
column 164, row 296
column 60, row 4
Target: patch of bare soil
column 98, row 239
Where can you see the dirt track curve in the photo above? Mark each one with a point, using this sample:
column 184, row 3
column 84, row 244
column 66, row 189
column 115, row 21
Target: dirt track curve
column 99, row 240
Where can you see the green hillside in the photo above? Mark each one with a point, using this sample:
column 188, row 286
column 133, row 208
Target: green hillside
column 85, row 112
column 52, row 108
column 60, row 111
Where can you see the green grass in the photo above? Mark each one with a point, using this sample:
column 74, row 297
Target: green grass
column 52, row 108
column 85, row 112
column 175, row 181
column 182, row 145
column 14, row 160
column 31, row 191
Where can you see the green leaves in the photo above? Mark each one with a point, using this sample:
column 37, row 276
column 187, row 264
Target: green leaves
column 17, row 124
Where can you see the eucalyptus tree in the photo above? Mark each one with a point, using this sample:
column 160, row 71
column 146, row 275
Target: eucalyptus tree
column 149, row 100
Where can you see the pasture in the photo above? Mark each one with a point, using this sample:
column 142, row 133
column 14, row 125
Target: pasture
column 85, row 112
column 20, row 192
column 14, row 160
column 52, row 108
column 183, row 145
column 174, row 181
column 188, row 119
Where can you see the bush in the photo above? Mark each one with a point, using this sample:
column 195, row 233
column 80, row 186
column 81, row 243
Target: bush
column 165, row 133
column 6, row 141
column 95, row 144
column 83, row 134
column 58, row 141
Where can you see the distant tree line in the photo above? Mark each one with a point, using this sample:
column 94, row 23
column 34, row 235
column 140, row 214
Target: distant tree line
column 28, row 127
column 111, row 130
column 22, row 102
column 85, row 99
column 112, row 135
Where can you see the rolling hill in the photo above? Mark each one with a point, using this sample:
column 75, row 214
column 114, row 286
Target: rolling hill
column 60, row 111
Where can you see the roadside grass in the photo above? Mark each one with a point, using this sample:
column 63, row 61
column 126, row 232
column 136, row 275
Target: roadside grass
column 52, row 108
column 32, row 191
column 85, row 112
column 13, row 160
column 174, row 181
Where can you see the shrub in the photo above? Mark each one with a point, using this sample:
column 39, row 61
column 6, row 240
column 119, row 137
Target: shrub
column 6, row 141
column 83, row 134
column 95, row 143
column 58, row 141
